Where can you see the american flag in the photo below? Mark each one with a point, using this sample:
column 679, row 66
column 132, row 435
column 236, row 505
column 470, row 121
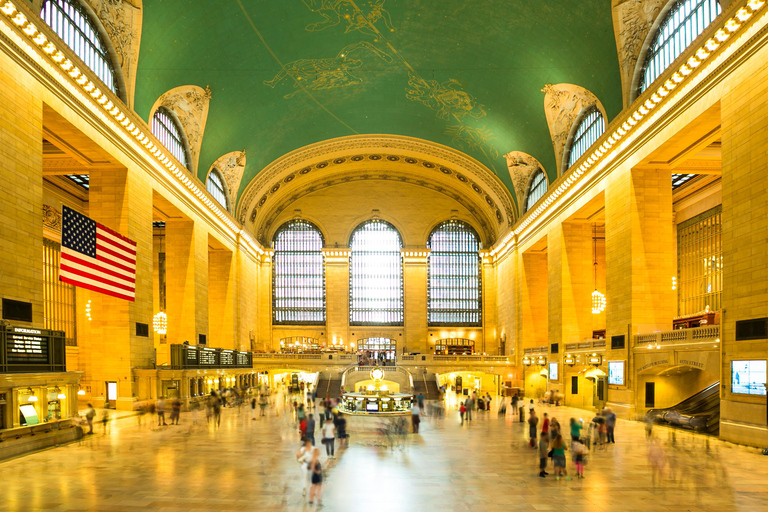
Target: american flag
column 95, row 257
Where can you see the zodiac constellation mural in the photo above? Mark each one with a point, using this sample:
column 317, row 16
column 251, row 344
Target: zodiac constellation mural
column 474, row 139
column 356, row 19
column 331, row 73
column 447, row 98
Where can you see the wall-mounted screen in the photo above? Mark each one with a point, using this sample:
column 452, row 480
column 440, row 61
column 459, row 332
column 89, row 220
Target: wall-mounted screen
column 553, row 371
column 372, row 406
column 616, row 373
column 748, row 377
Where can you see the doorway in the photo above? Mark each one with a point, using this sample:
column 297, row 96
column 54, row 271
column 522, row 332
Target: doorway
column 650, row 394
column 111, row 395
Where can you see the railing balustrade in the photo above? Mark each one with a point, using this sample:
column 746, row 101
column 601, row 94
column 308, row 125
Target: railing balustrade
column 680, row 336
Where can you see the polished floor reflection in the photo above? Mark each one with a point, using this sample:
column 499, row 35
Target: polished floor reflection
column 482, row 466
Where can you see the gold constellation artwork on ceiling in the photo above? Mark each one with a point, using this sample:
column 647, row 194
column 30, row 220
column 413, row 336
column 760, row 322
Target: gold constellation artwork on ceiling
column 447, row 98
column 331, row 73
column 356, row 19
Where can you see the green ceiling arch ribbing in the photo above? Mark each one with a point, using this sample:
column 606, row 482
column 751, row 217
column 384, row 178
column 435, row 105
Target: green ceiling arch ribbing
column 288, row 73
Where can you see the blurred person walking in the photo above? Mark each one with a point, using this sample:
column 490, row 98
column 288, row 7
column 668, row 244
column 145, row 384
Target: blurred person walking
column 175, row 411
column 579, row 457
column 90, row 413
column 161, row 411
column 533, row 422
column 558, row 456
column 610, row 423
column 576, row 427
column 316, row 471
column 415, row 418
column 304, row 457
column 543, row 454
column 310, row 430
column 329, row 437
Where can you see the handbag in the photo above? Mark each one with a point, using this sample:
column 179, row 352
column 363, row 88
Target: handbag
column 551, row 453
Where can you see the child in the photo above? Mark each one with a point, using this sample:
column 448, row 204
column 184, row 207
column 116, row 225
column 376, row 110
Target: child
column 543, row 454
column 462, row 410
column 558, row 456
column 579, row 458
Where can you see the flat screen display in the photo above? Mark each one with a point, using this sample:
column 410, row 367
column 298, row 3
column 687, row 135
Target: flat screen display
column 28, row 415
column 371, row 406
column 553, row 371
column 616, row 373
column 748, row 377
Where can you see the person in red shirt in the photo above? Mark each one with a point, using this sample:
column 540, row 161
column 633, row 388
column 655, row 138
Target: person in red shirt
column 545, row 424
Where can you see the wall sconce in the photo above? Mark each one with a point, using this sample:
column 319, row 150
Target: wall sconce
column 569, row 360
column 541, row 361
column 527, row 361
column 81, row 392
column 160, row 323
column 674, row 283
column 32, row 397
column 88, row 310
column 59, row 394
column 595, row 359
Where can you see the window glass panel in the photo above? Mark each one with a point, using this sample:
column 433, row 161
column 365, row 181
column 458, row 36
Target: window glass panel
column 58, row 297
column 700, row 262
column 166, row 130
column 591, row 128
column 454, row 275
column 70, row 22
column 215, row 186
column 375, row 275
column 536, row 190
column 378, row 348
column 298, row 273
column 683, row 23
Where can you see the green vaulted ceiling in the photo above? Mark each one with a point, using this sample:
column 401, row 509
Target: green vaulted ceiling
column 464, row 73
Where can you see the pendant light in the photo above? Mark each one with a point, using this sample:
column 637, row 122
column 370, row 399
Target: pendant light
column 598, row 299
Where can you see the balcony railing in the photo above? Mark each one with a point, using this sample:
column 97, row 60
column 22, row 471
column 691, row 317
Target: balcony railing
column 585, row 345
column 25, row 350
column 345, row 358
column 439, row 359
column 679, row 336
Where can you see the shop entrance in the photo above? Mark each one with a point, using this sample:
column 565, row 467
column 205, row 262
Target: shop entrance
column 455, row 347
column 378, row 347
column 111, row 395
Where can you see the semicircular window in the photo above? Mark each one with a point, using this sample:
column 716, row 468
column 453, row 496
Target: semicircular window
column 168, row 132
column 298, row 274
column 215, row 186
column 454, row 279
column 536, row 189
column 73, row 25
column 375, row 275
column 683, row 23
column 590, row 129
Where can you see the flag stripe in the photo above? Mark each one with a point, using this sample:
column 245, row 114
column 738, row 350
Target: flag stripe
column 127, row 249
column 99, row 263
column 68, row 269
column 79, row 263
column 115, row 234
column 99, row 288
column 100, row 248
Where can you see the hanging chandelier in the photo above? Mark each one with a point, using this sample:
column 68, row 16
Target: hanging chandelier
column 598, row 299
column 160, row 323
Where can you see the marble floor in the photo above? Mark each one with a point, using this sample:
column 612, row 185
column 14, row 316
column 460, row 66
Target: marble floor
column 483, row 466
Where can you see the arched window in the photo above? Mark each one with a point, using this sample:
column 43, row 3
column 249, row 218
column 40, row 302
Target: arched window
column 168, row 132
column 683, row 23
column 375, row 275
column 298, row 274
column 71, row 23
column 536, row 189
column 590, row 129
column 454, row 275
column 215, row 186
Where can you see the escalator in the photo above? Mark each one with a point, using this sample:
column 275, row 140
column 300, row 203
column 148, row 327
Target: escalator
column 700, row 412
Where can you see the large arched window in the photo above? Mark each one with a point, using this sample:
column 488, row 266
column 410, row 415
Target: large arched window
column 375, row 275
column 683, row 23
column 536, row 189
column 454, row 275
column 215, row 186
column 298, row 274
column 169, row 133
column 72, row 24
column 590, row 129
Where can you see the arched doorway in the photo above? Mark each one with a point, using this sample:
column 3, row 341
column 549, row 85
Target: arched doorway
column 377, row 347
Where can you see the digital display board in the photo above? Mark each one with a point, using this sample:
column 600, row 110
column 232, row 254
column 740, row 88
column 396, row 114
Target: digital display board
column 207, row 357
column 616, row 373
column 227, row 358
column 748, row 377
column 27, row 346
column 371, row 406
column 553, row 371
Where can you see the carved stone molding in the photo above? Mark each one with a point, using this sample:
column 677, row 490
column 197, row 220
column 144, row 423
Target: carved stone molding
column 121, row 20
column 632, row 23
column 562, row 105
column 521, row 167
column 190, row 104
column 51, row 218
column 231, row 166
column 386, row 151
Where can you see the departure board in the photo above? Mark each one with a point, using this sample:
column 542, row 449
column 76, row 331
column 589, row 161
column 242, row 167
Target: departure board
column 27, row 346
column 207, row 357
column 227, row 358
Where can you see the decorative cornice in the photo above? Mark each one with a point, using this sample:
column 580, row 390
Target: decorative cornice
column 51, row 218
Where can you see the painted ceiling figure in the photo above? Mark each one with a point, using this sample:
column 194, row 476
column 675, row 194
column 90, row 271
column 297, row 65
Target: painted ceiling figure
column 447, row 98
column 356, row 19
column 319, row 74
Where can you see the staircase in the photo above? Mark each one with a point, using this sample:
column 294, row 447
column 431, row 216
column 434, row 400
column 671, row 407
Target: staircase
column 426, row 387
column 327, row 387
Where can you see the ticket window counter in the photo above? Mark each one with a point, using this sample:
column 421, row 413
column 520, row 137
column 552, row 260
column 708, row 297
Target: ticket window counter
column 57, row 404
column 170, row 388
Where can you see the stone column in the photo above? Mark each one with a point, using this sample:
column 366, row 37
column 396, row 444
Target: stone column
column 491, row 332
column 186, row 260
column 415, row 268
column 247, row 286
column 337, row 295
column 221, row 300
column 21, row 198
column 533, row 299
column 118, row 199
column 264, row 304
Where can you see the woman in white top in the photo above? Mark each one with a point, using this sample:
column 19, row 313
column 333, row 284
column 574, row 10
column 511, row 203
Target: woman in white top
column 329, row 437
column 304, row 456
